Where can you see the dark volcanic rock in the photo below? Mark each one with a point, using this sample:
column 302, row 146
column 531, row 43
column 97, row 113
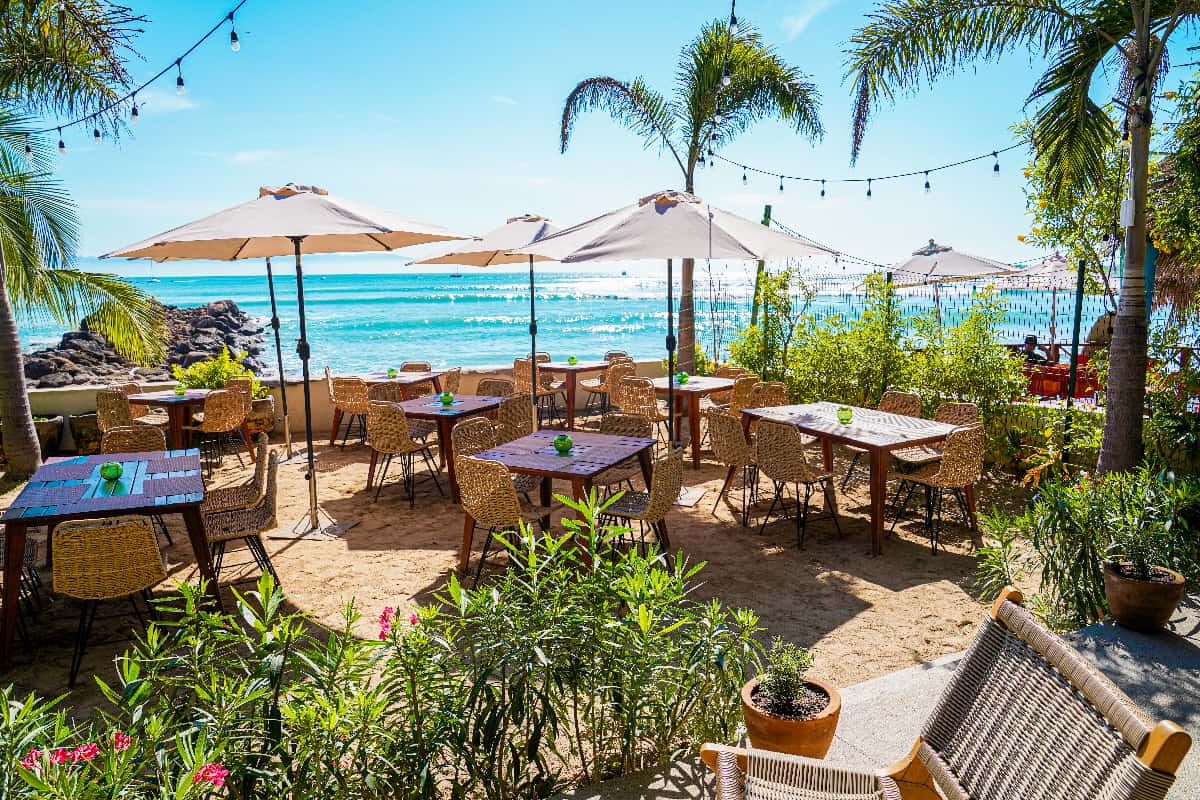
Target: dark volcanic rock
column 195, row 334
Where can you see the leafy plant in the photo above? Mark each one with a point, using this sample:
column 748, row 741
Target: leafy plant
column 782, row 685
column 212, row 373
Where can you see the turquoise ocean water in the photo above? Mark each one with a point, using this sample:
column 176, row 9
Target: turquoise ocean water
column 372, row 321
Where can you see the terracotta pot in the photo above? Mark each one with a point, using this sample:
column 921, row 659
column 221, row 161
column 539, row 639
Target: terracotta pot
column 262, row 415
column 802, row 737
column 49, row 433
column 86, row 433
column 1142, row 605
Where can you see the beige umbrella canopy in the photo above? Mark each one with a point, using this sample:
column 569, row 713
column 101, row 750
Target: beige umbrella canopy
column 935, row 263
column 671, row 224
column 289, row 220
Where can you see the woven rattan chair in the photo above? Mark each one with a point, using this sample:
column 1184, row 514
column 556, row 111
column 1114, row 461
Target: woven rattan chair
column 112, row 410
column 892, row 402
column 722, row 398
column 613, row 355
column 423, row 388
column 639, row 399
column 514, row 418
column 388, row 436
column 246, row 523
column 419, row 429
column 960, row 466
column 494, row 387
column 148, row 416
column 741, row 396
column 768, row 394
column 490, row 501
column 779, row 453
column 416, row 366
column 731, row 449
column 649, row 509
column 547, row 396
column 104, row 559
column 1024, row 716
column 451, row 380
column 221, row 429
column 961, row 414
column 623, row 472
column 614, row 381
column 350, row 402
column 241, row 495
column 244, row 387
column 133, row 439
column 475, row 435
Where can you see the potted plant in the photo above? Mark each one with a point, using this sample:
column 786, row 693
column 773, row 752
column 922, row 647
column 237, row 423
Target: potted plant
column 49, row 432
column 1142, row 594
column 788, row 711
column 212, row 373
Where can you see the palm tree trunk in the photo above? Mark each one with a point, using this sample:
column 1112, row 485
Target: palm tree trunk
column 21, row 446
column 687, row 317
column 1122, row 445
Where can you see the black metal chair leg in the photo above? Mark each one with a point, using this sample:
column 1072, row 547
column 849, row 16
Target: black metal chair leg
column 937, row 528
column 802, row 517
column 850, row 472
column 776, row 499
column 427, row 454
column 386, row 463
column 912, row 488
column 487, row 542
column 87, row 616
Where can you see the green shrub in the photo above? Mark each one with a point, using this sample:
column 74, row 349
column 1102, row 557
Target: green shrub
column 566, row 669
column 783, row 683
column 212, row 373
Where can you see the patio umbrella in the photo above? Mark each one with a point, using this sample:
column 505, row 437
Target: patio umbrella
column 935, row 264
column 668, row 225
column 494, row 248
column 1053, row 273
column 289, row 220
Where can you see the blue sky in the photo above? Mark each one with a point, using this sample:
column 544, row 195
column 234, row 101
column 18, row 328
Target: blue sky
column 449, row 112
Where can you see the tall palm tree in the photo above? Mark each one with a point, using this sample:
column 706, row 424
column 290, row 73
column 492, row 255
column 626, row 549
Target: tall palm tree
column 63, row 57
column 909, row 42
column 727, row 80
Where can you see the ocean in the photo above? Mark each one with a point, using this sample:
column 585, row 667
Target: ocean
column 370, row 321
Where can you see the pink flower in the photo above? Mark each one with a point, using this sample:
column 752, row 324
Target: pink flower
column 346, row 761
column 121, row 741
column 33, row 761
column 413, row 619
column 213, row 773
column 385, row 622
column 60, row 756
column 85, row 752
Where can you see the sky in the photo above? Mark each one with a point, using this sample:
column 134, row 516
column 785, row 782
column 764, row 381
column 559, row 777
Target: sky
column 449, row 113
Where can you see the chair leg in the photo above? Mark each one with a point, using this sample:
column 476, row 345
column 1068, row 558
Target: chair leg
column 802, row 517
column 850, row 472
column 831, row 503
column 260, row 555
column 162, row 528
column 487, row 543
column 936, row 530
column 778, row 498
column 427, row 454
column 912, row 488
column 218, row 553
column 387, row 461
column 87, row 616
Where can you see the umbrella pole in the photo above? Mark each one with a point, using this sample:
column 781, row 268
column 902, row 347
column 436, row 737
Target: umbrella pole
column 533, row 377
column 287, row 423
column 670, row 359
column 303, row 351
column 1053, row 317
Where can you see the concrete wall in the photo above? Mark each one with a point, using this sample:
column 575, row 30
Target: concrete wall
column 82, row 399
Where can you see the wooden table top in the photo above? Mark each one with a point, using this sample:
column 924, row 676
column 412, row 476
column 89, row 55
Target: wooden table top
column 591, row 454
column 869, row 428
column 697, row 384
column 401, row 377
column 72, row 487
column 168, row 397
column 563, row 366
column 430, row 406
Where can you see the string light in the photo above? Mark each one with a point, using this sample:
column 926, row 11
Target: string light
column 868, row 188
column 822, row 187
column 996, row 166
column 62, row 146
column 179, row 87
column 133, row 112
column 234, row 44
column 745, row 180
column 733, row 26
column 928, row 188
column 780, row 183
column 96, row 134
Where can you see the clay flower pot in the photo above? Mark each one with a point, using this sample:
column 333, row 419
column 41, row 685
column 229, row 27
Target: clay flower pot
column 1140, row 605
column 803, row 737
column 49, row 433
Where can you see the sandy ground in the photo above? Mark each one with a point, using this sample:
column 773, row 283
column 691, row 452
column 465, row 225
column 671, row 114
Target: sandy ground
column 861, row 616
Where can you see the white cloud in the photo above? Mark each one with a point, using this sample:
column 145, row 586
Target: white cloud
column 253, row 156
column 795, row 23
column 503, row 100
column 154, row 101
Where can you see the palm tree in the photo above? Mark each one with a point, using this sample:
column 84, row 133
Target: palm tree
column 65, row 57
column 727, row 80
column 908, row 42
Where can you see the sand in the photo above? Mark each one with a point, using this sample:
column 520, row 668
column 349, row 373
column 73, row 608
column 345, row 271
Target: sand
column 862, row 616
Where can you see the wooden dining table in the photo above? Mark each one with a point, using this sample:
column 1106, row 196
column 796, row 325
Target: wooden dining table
column 180, row 408
column 406, row 380
column 590, row 454
column 571, row 373
column 877, row 432
column 687, row 400
column 446, row 417
column 158, row 483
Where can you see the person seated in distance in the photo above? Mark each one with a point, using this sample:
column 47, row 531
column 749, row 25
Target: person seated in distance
column 1030, row 351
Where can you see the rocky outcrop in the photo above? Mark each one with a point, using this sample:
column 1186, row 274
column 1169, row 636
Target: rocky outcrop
column 84, row 357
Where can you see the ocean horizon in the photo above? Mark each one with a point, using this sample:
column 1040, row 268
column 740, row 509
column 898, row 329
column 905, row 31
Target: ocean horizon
column 369, row 320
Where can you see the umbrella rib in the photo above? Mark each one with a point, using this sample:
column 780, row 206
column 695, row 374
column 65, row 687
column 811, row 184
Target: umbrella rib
column 375, row 239
column 245, row 243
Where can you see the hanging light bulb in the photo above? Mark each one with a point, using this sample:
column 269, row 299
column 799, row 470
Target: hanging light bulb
column 717, row 118
column 726, row 78
column 822, row 187
column 179, row 87
column 928, row 188
column 95, row 131
column 996, row 166
column 745, row 180
column 781, row 183
column 28, row 151
column 868, row 188
column 234, row 44
column 62, row 146
column 133, row 112
column 733, row 26
column 700, row 161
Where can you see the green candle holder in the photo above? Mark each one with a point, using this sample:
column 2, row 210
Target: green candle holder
column 563, row 444
column 111, row 470
column 572, row 360
column 180, row 390
column 845, row 414
column 447, row 398
column 391, row 373
column 681, row 378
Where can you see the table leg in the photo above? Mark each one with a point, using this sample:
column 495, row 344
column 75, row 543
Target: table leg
column 746, row 425
column 249, row 441
column 446, row 454
column 879, row 465
column 333, row 429
column 647, row 464
column 547, row 491
column 578, row 494
column 175, row 415
column 827, row 454
column 694, row 426
column 371, row 468
column 437, row 384
column 972, row 513
column 195, row 530
column 464, row 555
column 571, row 384
column 14, row 562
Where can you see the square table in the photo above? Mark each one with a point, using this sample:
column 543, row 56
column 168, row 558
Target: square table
column 405, row 380
column 446, row 417
column 687, row 395
column 179, row 411
column 572, row 373
column 163, row 482
column 591, row 454
column 877, row 432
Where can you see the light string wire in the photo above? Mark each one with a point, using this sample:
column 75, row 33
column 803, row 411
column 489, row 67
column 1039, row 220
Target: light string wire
column 175, row 64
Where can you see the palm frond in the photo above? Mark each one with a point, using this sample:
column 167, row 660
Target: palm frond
column 634, row 105
column 910, row 43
